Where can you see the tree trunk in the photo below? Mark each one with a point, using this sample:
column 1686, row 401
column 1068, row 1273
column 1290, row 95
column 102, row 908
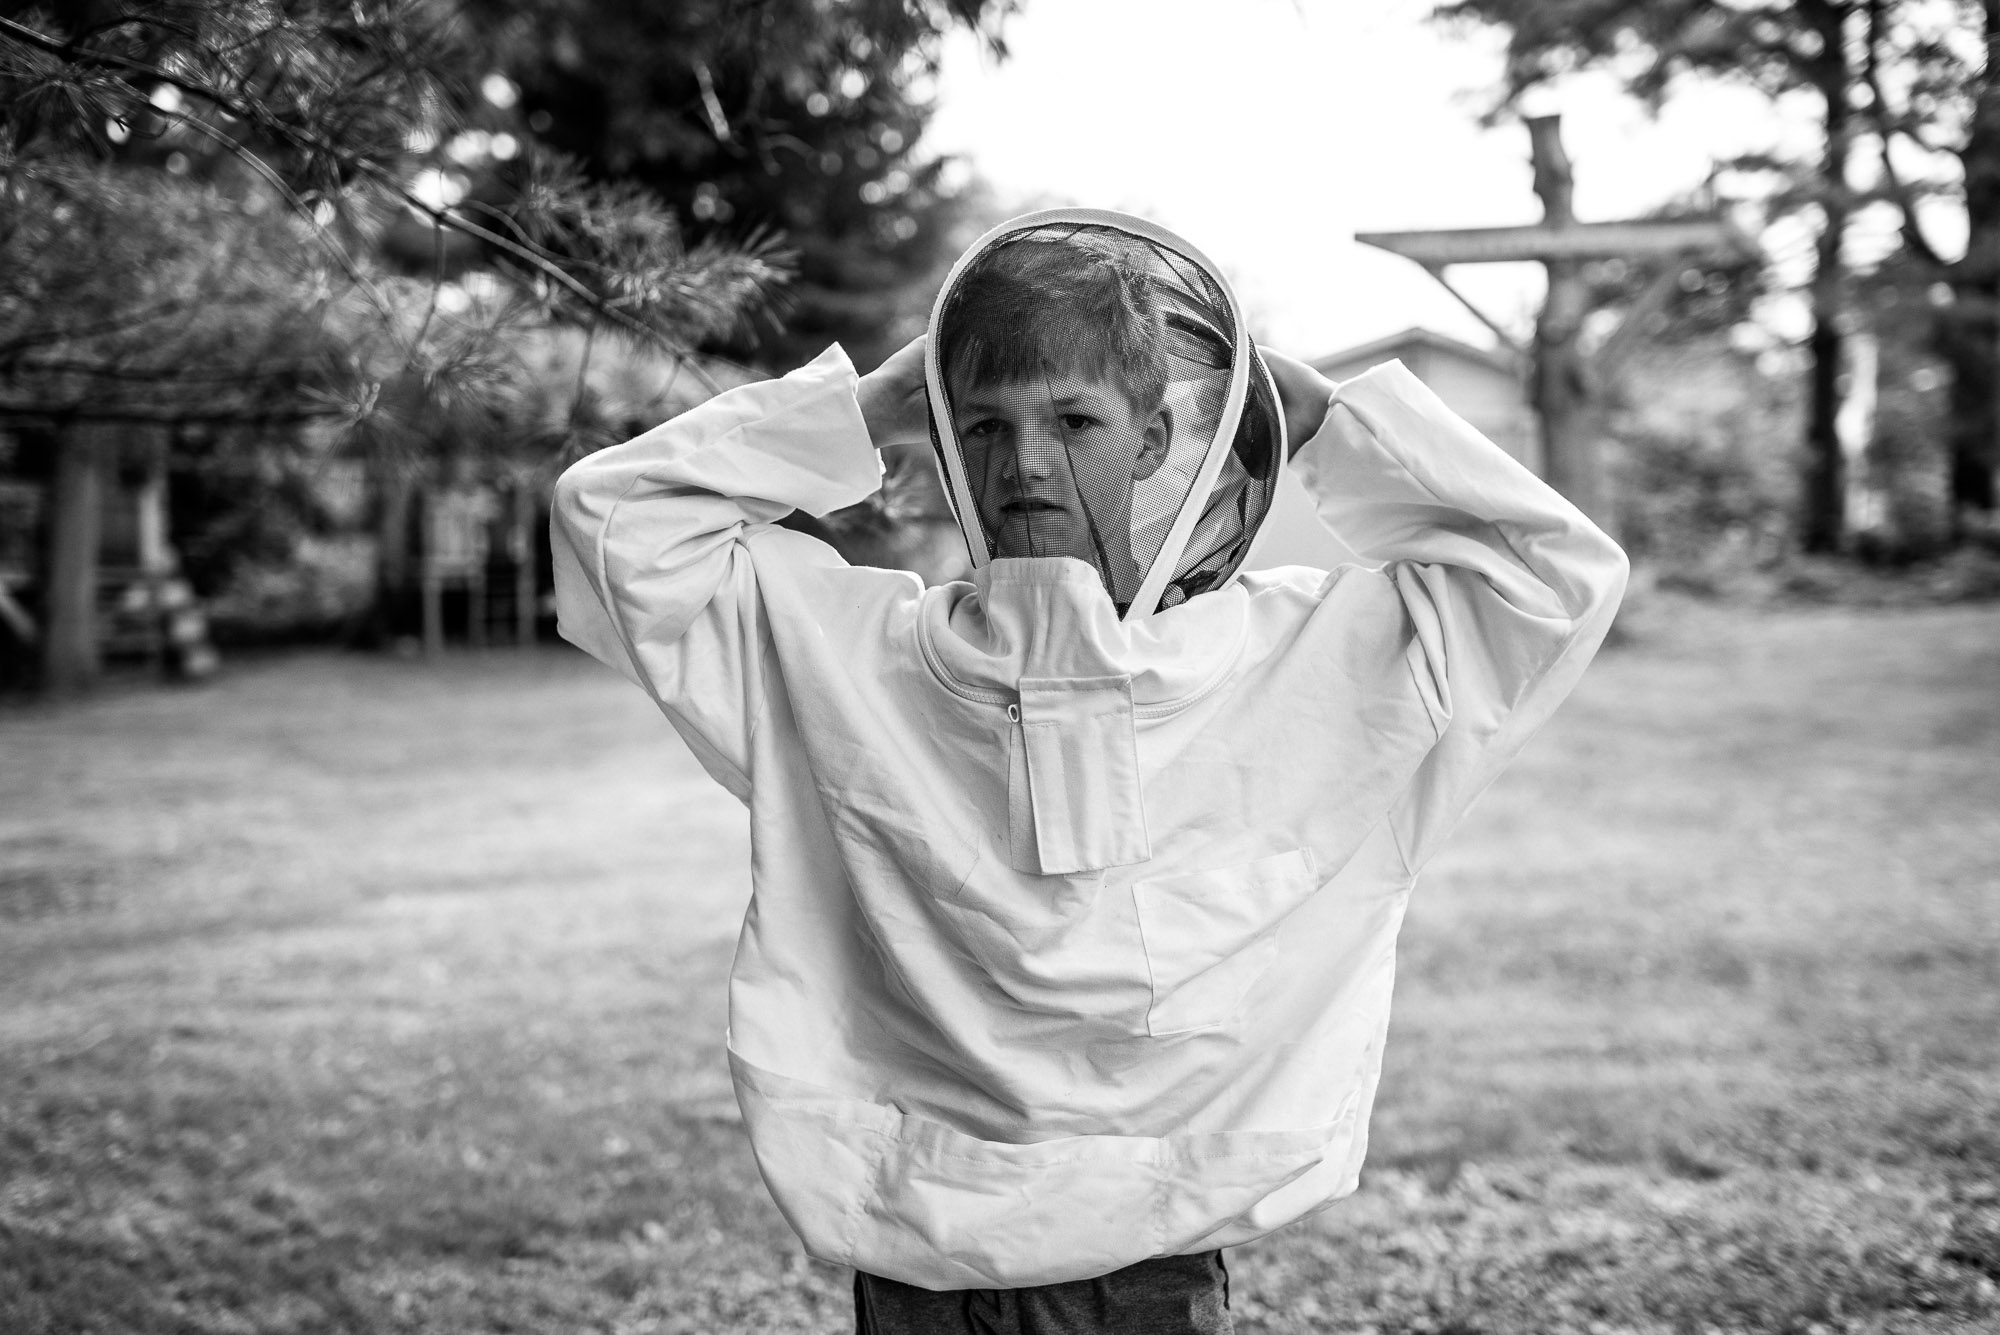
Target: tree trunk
column 1823, row 484
column 1970, row 331
column 1572, row 441
column 76, row 511
column 1823, row 491
column 1969, row 347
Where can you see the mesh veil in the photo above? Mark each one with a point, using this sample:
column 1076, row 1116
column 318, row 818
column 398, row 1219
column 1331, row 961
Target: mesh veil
column 1094, row 395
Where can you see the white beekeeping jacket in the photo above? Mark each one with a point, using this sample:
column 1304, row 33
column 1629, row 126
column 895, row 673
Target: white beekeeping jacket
column 1072, row 936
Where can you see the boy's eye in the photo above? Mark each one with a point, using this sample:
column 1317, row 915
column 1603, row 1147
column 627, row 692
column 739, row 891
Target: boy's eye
column 1077, row 421
column 984, row 427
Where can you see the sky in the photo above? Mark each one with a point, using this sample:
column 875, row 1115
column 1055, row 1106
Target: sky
column 1266, row 132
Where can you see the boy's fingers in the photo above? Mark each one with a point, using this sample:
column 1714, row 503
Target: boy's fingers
column 1303, row 393
column 892, row 398
column 907, row 360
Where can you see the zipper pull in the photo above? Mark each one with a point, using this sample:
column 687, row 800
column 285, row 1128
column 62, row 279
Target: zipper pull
column 1013, row 713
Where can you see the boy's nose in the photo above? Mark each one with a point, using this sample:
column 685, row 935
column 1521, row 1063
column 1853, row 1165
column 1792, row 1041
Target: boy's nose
column 1038, row 454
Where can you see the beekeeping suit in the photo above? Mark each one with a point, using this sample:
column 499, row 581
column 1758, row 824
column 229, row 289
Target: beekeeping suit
column 1077, row 884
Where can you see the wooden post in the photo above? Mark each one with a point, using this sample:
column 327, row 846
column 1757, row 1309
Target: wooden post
column 70, row 661
column 433, row 606
column 475, row 605
column 522, row 543
column 430, row 577
column 155, row 553
column 393, row 564
column 1572, row 445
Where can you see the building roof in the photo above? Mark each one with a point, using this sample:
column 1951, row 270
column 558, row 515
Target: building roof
column 1414, row 339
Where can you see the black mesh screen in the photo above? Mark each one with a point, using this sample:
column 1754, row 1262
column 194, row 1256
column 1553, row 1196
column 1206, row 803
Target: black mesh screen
column 1085, row 372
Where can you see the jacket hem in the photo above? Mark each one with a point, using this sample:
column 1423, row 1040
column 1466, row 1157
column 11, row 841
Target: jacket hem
column 866, row 1185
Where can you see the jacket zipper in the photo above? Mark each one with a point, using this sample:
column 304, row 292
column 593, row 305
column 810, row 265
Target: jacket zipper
column 1012, row 700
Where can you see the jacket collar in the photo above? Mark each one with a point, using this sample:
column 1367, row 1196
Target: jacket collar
column 1049, row 617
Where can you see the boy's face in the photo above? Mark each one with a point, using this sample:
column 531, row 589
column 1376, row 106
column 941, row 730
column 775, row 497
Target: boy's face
column 1052, row 461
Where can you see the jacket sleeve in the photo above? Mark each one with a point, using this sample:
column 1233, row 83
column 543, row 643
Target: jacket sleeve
column 652, row 544
column 1508, row 588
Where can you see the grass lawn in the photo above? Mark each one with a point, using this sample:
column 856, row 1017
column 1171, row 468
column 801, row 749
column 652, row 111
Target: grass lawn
column 351, row 995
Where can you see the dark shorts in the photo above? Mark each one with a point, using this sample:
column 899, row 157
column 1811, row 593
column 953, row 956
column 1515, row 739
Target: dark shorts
column 1169, row 1295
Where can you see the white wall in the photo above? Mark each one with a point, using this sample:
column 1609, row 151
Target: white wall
column 1489, row 399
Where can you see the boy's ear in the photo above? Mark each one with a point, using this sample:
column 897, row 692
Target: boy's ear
column 1153, row 452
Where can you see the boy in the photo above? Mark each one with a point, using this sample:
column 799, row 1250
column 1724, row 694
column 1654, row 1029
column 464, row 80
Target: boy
column 1085, row 310
column 1076, row 885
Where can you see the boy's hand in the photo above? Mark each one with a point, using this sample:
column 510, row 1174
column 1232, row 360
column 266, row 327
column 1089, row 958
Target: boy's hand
column 1304, row 393
column 892, row 399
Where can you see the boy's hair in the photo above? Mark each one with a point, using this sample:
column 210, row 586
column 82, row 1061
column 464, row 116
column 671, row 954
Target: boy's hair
column 1080, row 305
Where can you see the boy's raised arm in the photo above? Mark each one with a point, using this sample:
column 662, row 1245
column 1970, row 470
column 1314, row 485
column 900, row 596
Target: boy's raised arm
column 1508, row 587
column 651, row 571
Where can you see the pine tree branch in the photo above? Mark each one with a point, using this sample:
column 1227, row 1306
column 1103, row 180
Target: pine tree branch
column 257, row 113
column 527, row 253
column 125, row 322
column 164, row 374
column 86, row 411
column 348, row 264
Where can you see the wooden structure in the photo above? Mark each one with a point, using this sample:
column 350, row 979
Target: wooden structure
column 1485, row 386
column 1543, row 243
column 479, row 553
column 1563, row 378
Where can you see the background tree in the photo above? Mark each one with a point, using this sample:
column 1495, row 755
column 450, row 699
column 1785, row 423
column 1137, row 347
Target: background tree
column 1933, row 102
column 1689, row 413
column 403, row 221
column 1833, row 49
column 790, row 118
column 776, row 116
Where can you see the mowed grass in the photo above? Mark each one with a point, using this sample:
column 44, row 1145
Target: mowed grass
column 353, row 995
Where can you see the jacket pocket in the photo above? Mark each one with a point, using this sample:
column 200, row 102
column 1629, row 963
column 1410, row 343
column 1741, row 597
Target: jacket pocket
column 1073, row 795
column 1210, row 935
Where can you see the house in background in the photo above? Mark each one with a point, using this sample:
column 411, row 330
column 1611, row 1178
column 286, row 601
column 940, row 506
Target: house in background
column 1488, row 388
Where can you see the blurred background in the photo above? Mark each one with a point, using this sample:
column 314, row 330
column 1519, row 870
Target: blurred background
column 362, row 948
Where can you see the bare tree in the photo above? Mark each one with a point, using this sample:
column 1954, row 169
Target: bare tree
column 1881, row 71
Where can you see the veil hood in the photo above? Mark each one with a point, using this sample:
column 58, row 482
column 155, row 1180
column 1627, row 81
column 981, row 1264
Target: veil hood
column 1094, row 393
